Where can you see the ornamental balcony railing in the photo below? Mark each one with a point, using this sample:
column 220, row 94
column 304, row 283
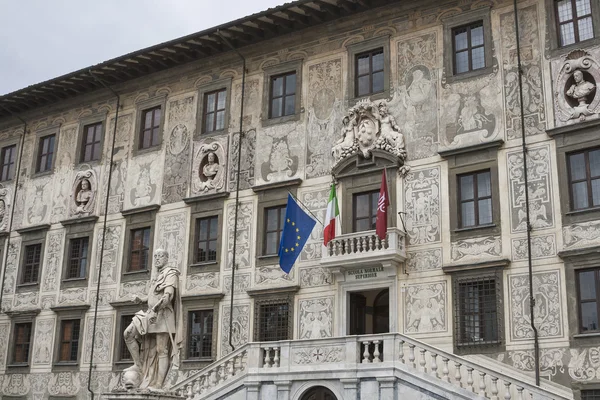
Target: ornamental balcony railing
column 365, row 248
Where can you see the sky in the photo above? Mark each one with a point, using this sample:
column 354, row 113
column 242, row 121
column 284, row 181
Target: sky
column 43, row 39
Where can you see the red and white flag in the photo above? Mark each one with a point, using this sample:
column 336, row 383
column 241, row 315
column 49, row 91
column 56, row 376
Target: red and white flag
column 332, row 217
column 382, row 207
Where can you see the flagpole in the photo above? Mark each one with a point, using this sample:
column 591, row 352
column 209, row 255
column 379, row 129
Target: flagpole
column 310, row 212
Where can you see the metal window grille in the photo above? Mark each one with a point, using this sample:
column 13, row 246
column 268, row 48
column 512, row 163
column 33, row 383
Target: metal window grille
column 8, row 159
column 273, row 320
column 207, row 233
column 78, row 257
column 369, row 71
column 477, row 311
column 124, row 354
column 31, row 269
column 149, row 135
column 139, row 249
column 593, row 394
column 22, row 339
column 200, row 334
column 69, row 344
column 92, row 140
column 214, row 110
column 45, row 153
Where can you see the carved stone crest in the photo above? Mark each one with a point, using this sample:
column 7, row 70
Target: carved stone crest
column 84, row 193
column 366, row 127
column 5, row 196
column 576, row 94
column 209, row 168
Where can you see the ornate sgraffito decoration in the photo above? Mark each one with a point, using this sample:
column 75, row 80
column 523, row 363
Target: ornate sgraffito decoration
column 584, row 364
column 12, row 262
column 111, row 253
column 242, row 283
column 581, row 235
column 202, row 282
column 54, row 253
column 241, row 327
column 316, row 202
column 72, row 296
column 318, row 355
column 248, row 153
column 423, row 260
column 551, row 361
column 143, row 181
column 16, row 385
column 315, row 276
column 422, row 205
column 4, row 329
column 282, row 153
column 366, row 127
column 171, row 237
column 547, row 309
column 243, row 257
column 315, row 318
column 129, row 289
column 469, row 249
column 38, row 210
column 541, row 247
column 576, row 95
column 273, row 275
column 84, row 192
column 209, row 169
column 5, row 203
column 42, row 351
column 103, row 343
column 120, row 157
column 63, row 384
column 425, row 308
column 25, row 301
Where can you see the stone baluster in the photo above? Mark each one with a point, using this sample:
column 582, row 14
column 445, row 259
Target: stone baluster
column 445, row 370
column 376, row 353
column 366, row 355
column 411, row 355
column 348, row 246
column 520, row 392
column 190, row 393
column 507, row 395
column 267, row 363
column 372, row 243
column 230, row 367
column 386, row 242
column 213, row 378
column 482, row 384
column 470, row 379
column 206, row 382
column 354, row 245
column 361, row 244
column 434, row 366
column 495, row 388
column 336, row 248
column 401, row 351
column 457, row 376
column 422, row 361
column 276, row 358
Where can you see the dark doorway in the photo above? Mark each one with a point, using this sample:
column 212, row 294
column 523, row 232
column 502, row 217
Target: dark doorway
column 318, row 393
column 369, row 312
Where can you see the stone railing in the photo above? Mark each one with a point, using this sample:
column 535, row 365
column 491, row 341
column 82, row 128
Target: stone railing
column 355, row 249
column 365, row 355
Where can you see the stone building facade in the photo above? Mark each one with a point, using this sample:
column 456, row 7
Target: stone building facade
column 454, row 272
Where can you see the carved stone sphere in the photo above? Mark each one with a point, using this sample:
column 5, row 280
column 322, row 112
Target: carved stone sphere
column 132, row 378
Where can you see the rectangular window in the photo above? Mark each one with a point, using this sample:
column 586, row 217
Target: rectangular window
column 78, row 258
column 584, row 179
column 587, row 292
column 139, row 249
column 22, row 343
column 45, row 153
column 7, row 160
column 274, row 220
column 214, row 110
column 207, row 233
column 282, row 99
column 364, row 211
column 593, row 394
column 273, row 321
column 574, row 20
column 369, row 73
column 477, row 310
column 124, row 354
column 200, row 334
column 91, row 142
column 32, row 261
column 468, row 48
column 69, row 340
column 150, row 128
column 475, row 199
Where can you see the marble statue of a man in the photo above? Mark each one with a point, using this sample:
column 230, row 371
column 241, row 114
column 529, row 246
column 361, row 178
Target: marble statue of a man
column 156, row 331
column 581, row 89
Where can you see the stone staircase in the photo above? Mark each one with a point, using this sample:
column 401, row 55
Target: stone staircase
column 348, row 361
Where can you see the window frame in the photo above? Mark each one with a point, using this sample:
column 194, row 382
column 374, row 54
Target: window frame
column 35, row 235
column 553, row 33
column 475, row 199
column 20, row 317
column 79, row 258
column 202, row 208
column 141, row 107
column 470, row 47
column 283, row 96
column 144, row 130
column 366, row 46
column 588, row 179
column 354, row 206
column 281, row 224
column 272, row 72
column 574, row 20
column 206, row 301
column 273, row 300
column 203, row 90
column 40, row 154
column 579, row 271
column 189, row 335
column 60, row 340
column 77, row 229
column 357, row 75
column 144, row 217
column 98, row 129
column 142, row 249
column 3, row 164
column 214, row 111
column 207, row 240
column 39, row 246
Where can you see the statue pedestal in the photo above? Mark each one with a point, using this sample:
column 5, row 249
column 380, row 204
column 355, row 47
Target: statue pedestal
column 142, row 395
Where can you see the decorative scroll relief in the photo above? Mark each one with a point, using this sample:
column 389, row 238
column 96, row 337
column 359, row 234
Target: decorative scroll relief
column 5, row 206
column 425, row 308
column 241, row 327
column 315, row 318
column 584, row 364
column 26, row 300
column 12, row 263
column 103, row 343
column 422, row 205
column 129, row 289
column 368, row 126
column 44, row 332
column 39, row 385
column 547, row 310
column 244, row 234
column 54, row 254
column 72, row 296
column 111, row 253
column 4, row 332
column 318, row 355
column 415, row 102
column 63, row 384
column 209, row 169
column 531, row 77
column 316, row 202
column 16, row 385
column 85, row 188
column 325, row 109
column 282, row 152
column 172, row 237
column 315, row 276
column 247, row 164
column 119, row 175
column 424, row 260
column 270, row 275
column 541, row 247
column 39, row 191
column 581, row 235
column 252, row 104
column 551, row 361
column 540, row 189
column 477, row 248
column 242, row 283
column 143, row 181
column 202, row 282
column 576, row 94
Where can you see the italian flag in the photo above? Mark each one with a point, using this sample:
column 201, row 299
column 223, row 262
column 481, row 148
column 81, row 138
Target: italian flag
column 333, row 214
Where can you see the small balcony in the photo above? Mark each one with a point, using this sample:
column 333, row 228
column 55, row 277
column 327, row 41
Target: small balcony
column 365, row 249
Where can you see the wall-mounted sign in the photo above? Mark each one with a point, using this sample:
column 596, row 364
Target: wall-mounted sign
column 363, row 273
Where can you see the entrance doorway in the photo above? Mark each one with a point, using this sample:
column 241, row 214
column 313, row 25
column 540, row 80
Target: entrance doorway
column 318, row 393
column 369, row 312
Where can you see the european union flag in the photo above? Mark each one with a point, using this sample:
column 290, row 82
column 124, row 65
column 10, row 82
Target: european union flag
column 297, row 228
